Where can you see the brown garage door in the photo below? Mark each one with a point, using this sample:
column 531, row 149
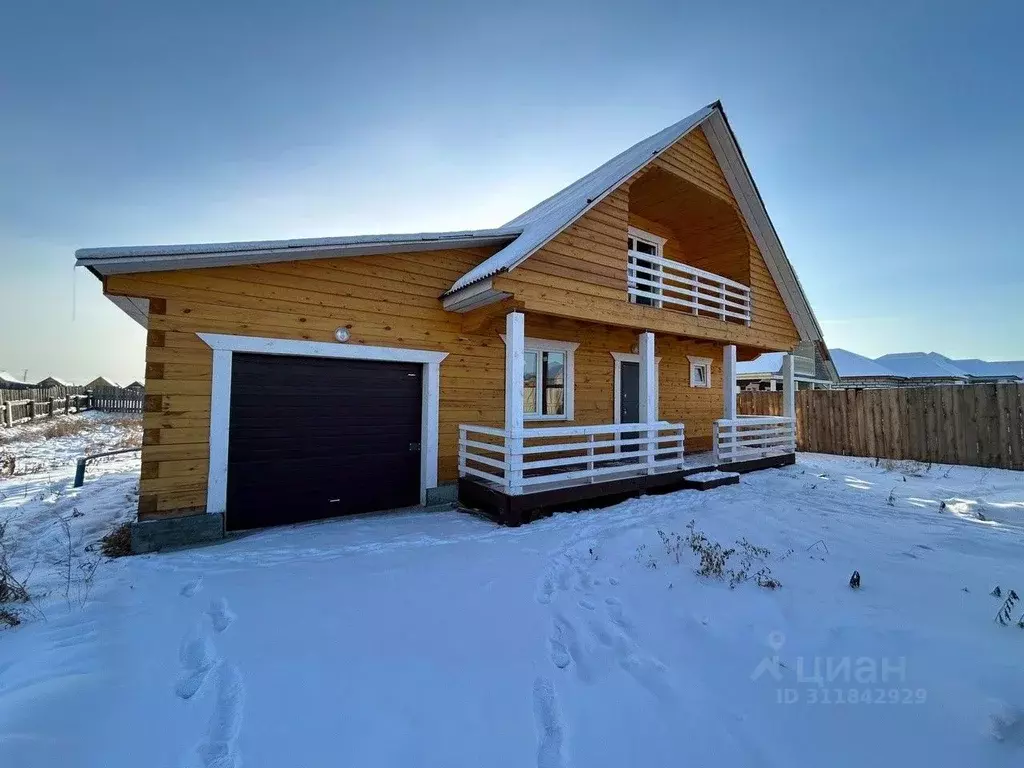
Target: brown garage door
column 314, row 437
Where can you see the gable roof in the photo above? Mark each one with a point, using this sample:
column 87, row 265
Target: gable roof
column 851, row 365
column 55, row 380
column 922, row 365
column 521, row 237
column 546, row 219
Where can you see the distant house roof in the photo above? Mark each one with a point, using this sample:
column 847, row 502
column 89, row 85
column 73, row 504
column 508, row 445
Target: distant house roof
column 101, row 381
column 10, row 378
column 769, row 364
column 519, row 238
column 850, row 365
column 923, row 365
column 986, row 369
column 53, row 380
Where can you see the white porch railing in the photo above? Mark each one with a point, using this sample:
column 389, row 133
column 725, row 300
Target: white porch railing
column 674, row 285
column 753, row 437
column 520, row 460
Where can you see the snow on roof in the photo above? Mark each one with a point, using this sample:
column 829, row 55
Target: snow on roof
column 851, row 365
column 548, row 218
column 254, row 251
column 922, row 365
column 976, row 367
column 57, row 381
column 10, row 378
column 768, row 363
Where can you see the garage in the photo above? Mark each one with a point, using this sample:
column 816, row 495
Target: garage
column 316, row 437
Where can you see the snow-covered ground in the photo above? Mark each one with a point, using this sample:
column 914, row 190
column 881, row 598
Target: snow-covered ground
column 51, row 530
column 440, row 639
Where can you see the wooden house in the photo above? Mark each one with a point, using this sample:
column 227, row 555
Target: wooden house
column 11, row 382
column 101, row 382
column 586, row 348
column 52, row 382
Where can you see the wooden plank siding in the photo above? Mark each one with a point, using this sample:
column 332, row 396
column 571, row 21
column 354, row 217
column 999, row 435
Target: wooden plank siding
column 392, row 306
column 581, row 273
column 573, row 289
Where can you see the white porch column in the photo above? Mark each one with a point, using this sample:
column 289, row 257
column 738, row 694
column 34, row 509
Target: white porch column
column 729, row 381
column 788, row 387
column 773, row 385
column 514, row 360
column 648, row 392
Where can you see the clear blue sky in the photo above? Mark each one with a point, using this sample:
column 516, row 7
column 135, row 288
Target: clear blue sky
column 886, row 138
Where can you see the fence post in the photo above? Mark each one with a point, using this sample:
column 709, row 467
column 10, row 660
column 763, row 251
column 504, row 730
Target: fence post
column 8, row 414
column 49, row 407
column 67, row 404
column 590, row 454
column 31, row 409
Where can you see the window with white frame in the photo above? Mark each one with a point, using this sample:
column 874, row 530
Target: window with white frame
column 700, row 372
column 644, row 275
column 548, row 379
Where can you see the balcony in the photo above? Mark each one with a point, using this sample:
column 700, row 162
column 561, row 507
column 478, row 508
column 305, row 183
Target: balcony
column 659, row 282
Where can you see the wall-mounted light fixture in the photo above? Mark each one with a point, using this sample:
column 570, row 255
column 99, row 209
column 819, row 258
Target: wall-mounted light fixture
column 342, row 335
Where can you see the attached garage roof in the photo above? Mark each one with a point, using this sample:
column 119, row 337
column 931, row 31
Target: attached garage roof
column 152, row 258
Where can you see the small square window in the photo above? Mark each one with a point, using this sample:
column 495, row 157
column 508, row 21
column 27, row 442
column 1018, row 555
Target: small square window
column 700, row 372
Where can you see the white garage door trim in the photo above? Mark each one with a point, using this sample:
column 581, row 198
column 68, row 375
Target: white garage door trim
column 224, row 346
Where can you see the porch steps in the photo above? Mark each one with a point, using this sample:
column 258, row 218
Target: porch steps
column 705, row 481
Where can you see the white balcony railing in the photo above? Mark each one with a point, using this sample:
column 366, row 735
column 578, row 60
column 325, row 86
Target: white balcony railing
column 670, row 284
column 522, row 460
column 753, row 437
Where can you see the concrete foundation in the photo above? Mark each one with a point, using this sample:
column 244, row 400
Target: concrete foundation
column 447, row 493
column 154, row 535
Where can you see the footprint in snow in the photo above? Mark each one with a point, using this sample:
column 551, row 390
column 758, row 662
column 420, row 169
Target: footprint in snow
column 559, row 653
column 547, row 589
column 613, row 581
column 586, row 604
column 221, row 616
column 198, row 657
column 550, row 731
column 192, row 587
column 220, row 750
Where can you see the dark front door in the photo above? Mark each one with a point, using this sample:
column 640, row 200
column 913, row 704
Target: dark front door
column 315, row 437
column 629, row 399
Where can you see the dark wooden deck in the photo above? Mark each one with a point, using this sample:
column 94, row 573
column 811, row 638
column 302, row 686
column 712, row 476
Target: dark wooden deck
column 503, row 508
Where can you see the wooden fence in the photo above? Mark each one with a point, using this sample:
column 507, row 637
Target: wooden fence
column 978, row 424
column 21, row 405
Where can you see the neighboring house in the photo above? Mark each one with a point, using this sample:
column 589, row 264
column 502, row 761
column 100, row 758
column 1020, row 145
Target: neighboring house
column 812, row 370
column 857, row 371
column 924, row 368
column 1008, row 371
column 52, row 382
column 10, row 381
column 101, row 383
column 557, row 358
column 137, row 386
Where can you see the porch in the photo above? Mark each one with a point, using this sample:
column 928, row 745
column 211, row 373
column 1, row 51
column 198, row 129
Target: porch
column 526, row 468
